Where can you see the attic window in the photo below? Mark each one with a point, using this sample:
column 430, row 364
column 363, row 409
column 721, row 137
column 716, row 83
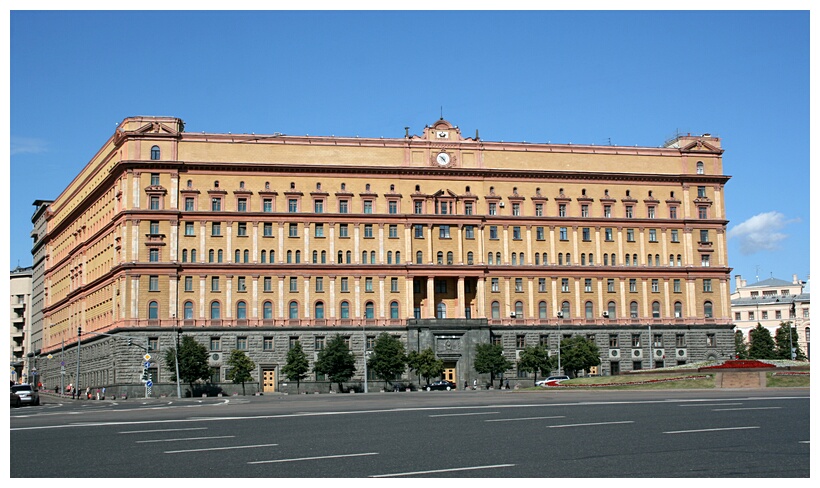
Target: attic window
column 700, row 167
column 155, row 152
column 467, row 189
column 392, row 188
column 418, row 187
column 583, row 191
column 190, row 184
column 367, row 187
column 216, row 184
column 344, row 186
column 318, row 186
column 241, row 185
column 267, row 185
column 627, row 193
column 292, row 185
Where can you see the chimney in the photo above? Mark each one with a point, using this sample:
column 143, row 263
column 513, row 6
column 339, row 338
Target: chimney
column 794, row 280
column 737, row 282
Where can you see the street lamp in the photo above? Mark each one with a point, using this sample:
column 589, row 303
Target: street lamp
column 364, row 356
column 77, row 386
column 176, row 355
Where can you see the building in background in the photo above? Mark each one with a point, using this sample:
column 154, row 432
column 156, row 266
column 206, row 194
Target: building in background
column 20, row 344
column 254, row 242
column 772, row 302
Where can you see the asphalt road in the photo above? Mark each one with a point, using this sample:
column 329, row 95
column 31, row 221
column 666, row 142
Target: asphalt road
column 485, row 434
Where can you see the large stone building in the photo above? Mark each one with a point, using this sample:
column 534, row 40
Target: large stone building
column 770, row 303
column 256, row 241
column 20, row 342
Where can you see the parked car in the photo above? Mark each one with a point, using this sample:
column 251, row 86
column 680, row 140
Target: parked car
column 15, row 400
column 441, row 385
column 552, row 380
column 27, row 393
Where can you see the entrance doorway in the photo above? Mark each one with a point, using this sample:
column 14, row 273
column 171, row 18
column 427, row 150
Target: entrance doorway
column 614, row 368
column 268, row 380
column 449, row 372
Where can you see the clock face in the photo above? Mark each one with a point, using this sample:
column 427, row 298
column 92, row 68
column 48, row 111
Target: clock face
column 443, row 159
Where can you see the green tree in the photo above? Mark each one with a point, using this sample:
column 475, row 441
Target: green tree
column 489, row 358
column 785, row 339
column 388, row 359
column 297, row 366
column 336, row 361
column 534, row 359
column 741, row 348
column 425, row 364
column 761, row 344
column 578, row 353
column 193, row 362
column 240, row 368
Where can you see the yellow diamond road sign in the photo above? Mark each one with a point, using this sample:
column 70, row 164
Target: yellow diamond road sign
column 147, row 357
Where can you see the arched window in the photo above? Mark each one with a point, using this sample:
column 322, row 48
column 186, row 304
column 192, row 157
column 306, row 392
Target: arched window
column 542, row 310
column 678, row 310
column 489, row 258
column 298, row 255
column 348, row 257
column 519, row 310
column 496, row 313
column 449, row 257
column 210, row 255
column 154, row 153
column 372, row 257
column 521, row 258
column 678, row 260
column 368, row 310
column 345, row 310
column 441, row 310
column 188, row 310
column 612, row 259
column 700, row 167
column 440, row 257
column 560, row 258
column 544, row 259
column 193, row 255
column 626, row 259
column 153, row 310
column 184, row 255
column 537, row 259
column 634, row 260
column 656, row 310
column 293, row 310
column 263, row 256
column 389, row 257
column 649, row 260
column 319, row 310
column 290, row 257
column 610, row 308
column 514, row 259
column 588, row 310
column 591, row 260
column 398, row 257
column 470, row 257
column 671, row 260
column 419, row 257
column 215, row 310
column 657, row 259
column 394, row 310
column 271, row 256
column 364, row 257
column 340, row 257
column 498, row 258
column 565, row 309
column 241, row 308
column 267, row 310
column 583, row 259
column 315, row 257
column 569, row 260
column 219, row 256
column 633, row 310
column 707, row 309
column 324, row 257
column 236, row 257
column 606, row 259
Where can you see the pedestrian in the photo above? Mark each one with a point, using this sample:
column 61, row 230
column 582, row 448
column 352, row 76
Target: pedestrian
column 465, row 385
column 506, row 384
column 475, row 384
column 56, row 389
column 88, row 392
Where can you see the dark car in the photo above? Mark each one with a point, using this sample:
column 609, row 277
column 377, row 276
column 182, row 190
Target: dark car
column 441, row 385
column 15, row 400
column 28, row 395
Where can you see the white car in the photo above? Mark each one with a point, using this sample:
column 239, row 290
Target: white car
column 552, row 380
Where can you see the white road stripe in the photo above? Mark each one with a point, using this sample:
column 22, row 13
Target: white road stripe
column 744, row 408
column 710, row 405
column 526, row 418
column 462, row 414
column 411, row 473
column 594, row 423
column 313, row 458
column 711, row 430
column 221, row 448
column 187, row 439
column 159, row 430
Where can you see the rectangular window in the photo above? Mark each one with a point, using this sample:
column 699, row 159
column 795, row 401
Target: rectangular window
column 587, row 285
column 539, row 233
column 585, row 234
column 394, row 284
column 292, row 342
column 564, row 284
column 214, row 283
column 153, row 255
column 650, row 212
column 216, row 204
column 393, row 207
column 442, row 208
column 607, row 211
column 242, row 205
column 673, row 212
column 676, row 285
column 189, row 228
column 630, row 235
column 441, row 286
column 320, row 284
column 633, row 285
column 153, row 283
column 520, row 341
column 704, row 236
column 267, row 229
column 344, row 286
column 675, row 235
column 701, row 192
column 242, row 229
column 189, row 204
column 343, row 230
column 242, row 343
column 562, row 234
column 240, row 283
column 468, row 208
column 368, row 207
column 153, row 227
column 267, row 284
column 294, row 284
column 319, row 230
column 214, row 344
column 154, row 203
column 516, row 209
column 710, row 340
column 418, row 231
column 519, row 285
column 655, row 286
column 629, row 213
column 267, row 205
column 319, row 343
column 153, row 343
column 608, row 234
column 368, row 284
column 216, row 229
column 636, row 340
column 584, row 210
column 707, row 285
column 562, row 209
column 517, row 234
column 737, row 315
column 613, row 340
column 343, row 206
column 680, row 340
column 293, row 230
column 368, row 231
column 494, row 284
column 493, row 232
column 778, row 315
column 764, row 315
column 267, row 343
column 469, row 232
column 539, row 209
column 704, row 260
column 189, row 283
column 154, row 179
column 542, row 285
column 444, row 231
column 293, row 205
column 318, row 206
column 393, row 231
column 610, row 285
column 418, row 207
column 653, row 235
column 492, row 208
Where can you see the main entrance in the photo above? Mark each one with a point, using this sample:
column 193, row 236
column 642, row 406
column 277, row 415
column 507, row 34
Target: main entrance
column 268, row 380
column 449, row 371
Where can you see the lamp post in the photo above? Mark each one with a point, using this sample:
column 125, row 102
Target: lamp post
column 364, row 355
column 560, row 317
column 176, row 356
column 77, row 386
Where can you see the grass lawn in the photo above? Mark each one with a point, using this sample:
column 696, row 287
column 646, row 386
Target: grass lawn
column 636, row 382
column 787, row 381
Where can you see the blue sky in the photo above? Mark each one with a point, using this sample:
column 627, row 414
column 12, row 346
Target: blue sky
column 625, row 77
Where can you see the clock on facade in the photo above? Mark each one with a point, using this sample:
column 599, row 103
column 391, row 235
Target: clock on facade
column 443, row 159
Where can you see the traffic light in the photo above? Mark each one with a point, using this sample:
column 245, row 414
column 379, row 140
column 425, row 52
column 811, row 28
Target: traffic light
column 145, row 376
column 129, row 341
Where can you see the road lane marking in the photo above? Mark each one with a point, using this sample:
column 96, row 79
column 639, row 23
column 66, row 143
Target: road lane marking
column 160, row 430
column 314, row 458
column 526, row 418
column 710, row 405
column 187, row 439
column 744, row 408
column 461, row 414
column 221, row 448
column 592, row 423
column 711, row 430
column 411, row 473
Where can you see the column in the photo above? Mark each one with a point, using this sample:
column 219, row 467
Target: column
column 460, row 291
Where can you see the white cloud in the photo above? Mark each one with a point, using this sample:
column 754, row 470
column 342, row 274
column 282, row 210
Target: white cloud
column 27, row 145
column 760, row 233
